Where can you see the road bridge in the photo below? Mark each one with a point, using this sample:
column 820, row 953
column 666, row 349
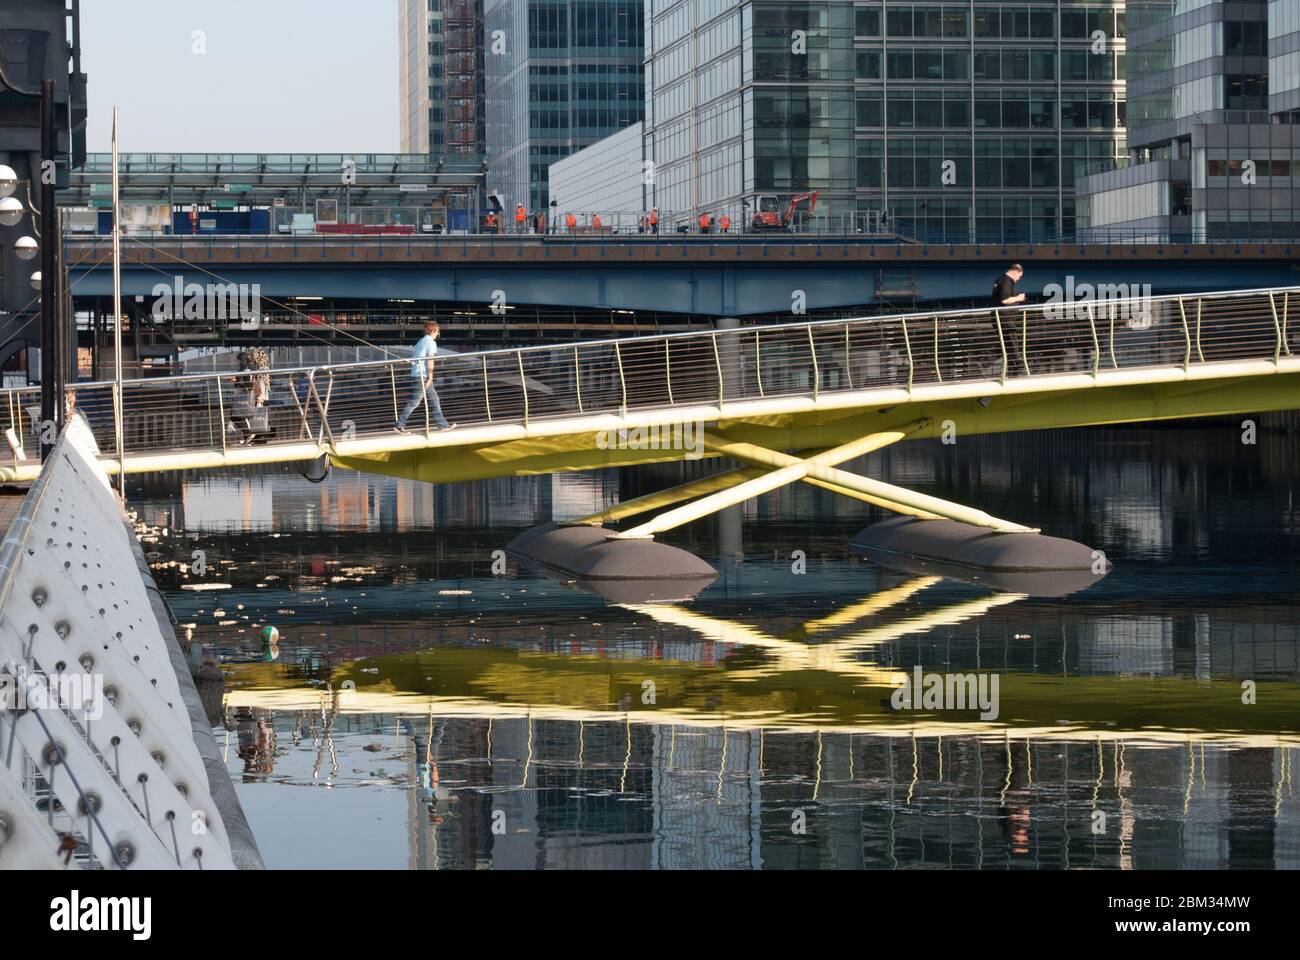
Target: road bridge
column 705, row 277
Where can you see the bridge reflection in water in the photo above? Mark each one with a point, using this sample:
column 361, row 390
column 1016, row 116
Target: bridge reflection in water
column 784, row 750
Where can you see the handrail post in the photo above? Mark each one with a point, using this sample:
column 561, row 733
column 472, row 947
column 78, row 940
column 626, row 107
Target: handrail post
column 668, row 372
column 577, row 378
column 1114, row 362
column 618, row 356
column 1002, row 343
column 758, row 360
column 1096, row 343
column 937, row 371
column 1277, row 326
column 812, row 349
column 848, row 359
column 1187, row 336
column 523, row 382
column 1024, row 341
column 911, row 365
column 1200, row 355
column 1286, row 299
column 487, row 393
column 718, row 361
column 221, row 412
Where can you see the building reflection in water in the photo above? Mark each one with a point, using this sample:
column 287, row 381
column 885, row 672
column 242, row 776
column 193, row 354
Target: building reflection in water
column 527, row 793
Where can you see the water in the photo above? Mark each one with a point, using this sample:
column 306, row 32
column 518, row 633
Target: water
column 425, row 712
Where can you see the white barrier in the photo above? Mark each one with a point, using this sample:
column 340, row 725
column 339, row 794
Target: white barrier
column 98, row 766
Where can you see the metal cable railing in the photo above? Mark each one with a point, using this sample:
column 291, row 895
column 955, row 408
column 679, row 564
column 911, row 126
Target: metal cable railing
column 327, row 404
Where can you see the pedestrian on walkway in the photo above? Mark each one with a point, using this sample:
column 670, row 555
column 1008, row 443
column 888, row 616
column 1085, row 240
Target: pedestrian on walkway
column 1013, row 334
column 421, row 388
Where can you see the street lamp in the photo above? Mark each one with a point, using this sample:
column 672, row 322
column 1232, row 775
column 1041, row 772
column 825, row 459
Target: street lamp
column 25, row 248
column 11, row 211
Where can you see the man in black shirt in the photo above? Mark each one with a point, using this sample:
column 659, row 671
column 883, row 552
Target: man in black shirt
column 1004, row 295
column 1004, row 288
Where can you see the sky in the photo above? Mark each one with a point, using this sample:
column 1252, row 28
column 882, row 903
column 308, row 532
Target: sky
column 263, row 76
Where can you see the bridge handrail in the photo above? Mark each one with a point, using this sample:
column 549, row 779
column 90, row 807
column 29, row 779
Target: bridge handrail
column 316, row 407
column 957, row 314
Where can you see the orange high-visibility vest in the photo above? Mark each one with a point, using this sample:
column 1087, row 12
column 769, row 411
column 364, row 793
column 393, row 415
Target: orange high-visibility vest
column 726, row 222
column 704, row 221
column 520, row 215
column 654, row 217
column 595, row 220
column 570, row 221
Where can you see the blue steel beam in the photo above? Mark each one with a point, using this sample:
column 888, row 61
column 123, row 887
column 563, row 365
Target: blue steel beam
column 692, row 287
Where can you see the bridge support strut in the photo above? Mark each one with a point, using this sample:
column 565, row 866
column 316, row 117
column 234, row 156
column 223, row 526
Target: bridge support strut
column 741, row 485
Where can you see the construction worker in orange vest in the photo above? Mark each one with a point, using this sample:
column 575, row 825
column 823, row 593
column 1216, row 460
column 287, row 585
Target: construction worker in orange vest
column 521, row 217
column 725, row 223
column 491, row 222
column 654, row 220
column 595, row 221
column 571, row 222
column 705, row 222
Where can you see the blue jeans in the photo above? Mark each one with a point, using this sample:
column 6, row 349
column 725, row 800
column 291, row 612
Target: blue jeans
column 428, row 394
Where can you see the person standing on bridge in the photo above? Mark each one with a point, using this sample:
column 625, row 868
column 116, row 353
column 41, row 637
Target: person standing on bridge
column 1004, row 287
column 1004, row 295
column 521, row 217
column 422, row 382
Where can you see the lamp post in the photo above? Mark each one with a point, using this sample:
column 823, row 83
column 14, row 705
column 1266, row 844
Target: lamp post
column 52, row 364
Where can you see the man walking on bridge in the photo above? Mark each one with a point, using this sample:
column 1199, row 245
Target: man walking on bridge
column 422, row 381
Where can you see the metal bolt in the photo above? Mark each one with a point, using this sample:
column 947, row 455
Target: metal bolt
column 53, row 754
column 125, row 853
column 39, row 596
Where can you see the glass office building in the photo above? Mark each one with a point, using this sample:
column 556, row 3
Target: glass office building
column 560, row 75
column 440, row 66
column 1213, row 146
column 950, row 119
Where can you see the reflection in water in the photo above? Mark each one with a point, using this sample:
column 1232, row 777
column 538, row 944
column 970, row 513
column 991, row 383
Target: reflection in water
column 425, row 712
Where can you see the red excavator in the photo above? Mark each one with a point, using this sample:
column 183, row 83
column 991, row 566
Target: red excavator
column 768, row 215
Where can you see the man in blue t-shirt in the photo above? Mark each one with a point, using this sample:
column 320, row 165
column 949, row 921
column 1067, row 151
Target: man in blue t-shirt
column 422, row 382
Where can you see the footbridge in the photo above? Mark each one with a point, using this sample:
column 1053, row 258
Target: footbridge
column 788, row 402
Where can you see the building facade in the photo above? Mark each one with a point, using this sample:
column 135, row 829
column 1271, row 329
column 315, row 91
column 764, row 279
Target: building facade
column 560, row 75
column 609, row 179
column 1213, row 144
column 440, row 68
column 943, row 120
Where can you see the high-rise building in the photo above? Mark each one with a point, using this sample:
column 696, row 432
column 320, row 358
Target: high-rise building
column 561, row 74
column 949, row 119
column 440, row 66
column 1213, row 142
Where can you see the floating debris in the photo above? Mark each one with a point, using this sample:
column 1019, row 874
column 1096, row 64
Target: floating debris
column 205, row 586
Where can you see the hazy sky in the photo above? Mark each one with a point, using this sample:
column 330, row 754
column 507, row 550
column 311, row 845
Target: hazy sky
column 278, row 76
